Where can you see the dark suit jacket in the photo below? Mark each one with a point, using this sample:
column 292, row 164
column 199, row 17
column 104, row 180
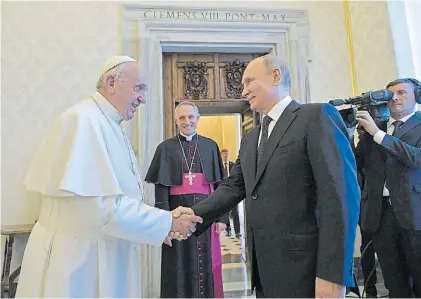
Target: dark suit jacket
column 399, row 160
column 230, row 166
column 302, row 202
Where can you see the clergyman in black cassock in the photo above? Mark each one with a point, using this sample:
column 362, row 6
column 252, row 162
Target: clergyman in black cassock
column 186, row 267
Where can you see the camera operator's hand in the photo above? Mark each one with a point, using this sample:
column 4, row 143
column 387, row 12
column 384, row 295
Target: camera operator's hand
column 365, row 120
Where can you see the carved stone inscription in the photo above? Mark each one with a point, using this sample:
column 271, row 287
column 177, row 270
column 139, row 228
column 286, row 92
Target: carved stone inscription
column 234, row 72
column 221, row 15
column 195, row 80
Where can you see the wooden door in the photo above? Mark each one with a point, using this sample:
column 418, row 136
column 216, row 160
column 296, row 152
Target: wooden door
column 211, row 80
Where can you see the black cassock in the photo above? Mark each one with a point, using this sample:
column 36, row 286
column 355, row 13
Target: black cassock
column 186, row 268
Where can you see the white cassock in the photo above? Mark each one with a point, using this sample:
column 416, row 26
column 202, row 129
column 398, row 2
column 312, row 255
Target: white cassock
column 86, row 242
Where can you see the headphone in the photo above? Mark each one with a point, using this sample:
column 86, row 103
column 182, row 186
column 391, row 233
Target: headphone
column 417, row 89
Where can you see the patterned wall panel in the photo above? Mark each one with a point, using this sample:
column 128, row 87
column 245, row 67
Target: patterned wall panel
column 51, row 56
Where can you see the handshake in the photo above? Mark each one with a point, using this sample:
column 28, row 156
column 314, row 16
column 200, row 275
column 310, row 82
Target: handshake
column 183, row 224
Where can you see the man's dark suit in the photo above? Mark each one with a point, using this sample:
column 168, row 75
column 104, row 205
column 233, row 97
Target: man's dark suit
column 234, row 211
column 302, row 202
column 397, row 159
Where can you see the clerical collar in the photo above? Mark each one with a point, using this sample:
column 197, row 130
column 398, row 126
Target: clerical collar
column 188, row 138
column 107, row 108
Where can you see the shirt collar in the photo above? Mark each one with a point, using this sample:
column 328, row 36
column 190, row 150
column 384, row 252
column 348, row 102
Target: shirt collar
column 107, row 108
column 404, row 119
column 277, row 110
column 188, row 138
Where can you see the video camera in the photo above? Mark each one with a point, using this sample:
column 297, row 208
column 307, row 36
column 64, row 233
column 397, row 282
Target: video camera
column 375, row 102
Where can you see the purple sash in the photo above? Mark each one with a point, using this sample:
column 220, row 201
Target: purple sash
column 216, row 263
column 199, row 186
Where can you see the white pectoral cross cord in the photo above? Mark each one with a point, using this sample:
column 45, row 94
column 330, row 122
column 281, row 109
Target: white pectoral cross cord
column 190, row 176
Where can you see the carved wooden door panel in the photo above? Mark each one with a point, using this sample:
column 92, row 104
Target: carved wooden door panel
column 211, row 80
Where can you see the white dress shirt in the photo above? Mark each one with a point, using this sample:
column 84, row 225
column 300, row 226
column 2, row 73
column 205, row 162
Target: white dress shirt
column 379, row 136
column 276, row 112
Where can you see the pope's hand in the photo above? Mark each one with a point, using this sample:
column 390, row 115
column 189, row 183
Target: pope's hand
column 184, row 223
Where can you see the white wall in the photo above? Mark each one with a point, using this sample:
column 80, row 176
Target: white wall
column 375, row 61
column 413, row 13
column 51, row 56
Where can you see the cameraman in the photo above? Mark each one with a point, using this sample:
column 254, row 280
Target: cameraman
column 391, row 200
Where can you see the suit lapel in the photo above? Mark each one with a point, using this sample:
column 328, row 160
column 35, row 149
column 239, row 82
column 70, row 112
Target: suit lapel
column 383, row 151
column 275, row 137
column 254, row 138
column 411, row 123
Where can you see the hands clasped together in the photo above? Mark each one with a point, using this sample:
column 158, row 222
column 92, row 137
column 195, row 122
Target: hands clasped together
column 183, row 224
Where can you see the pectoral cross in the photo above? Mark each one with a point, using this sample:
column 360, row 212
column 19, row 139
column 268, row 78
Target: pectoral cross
column 190, row 176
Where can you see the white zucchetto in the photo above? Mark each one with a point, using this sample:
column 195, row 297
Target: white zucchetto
column 113, row 61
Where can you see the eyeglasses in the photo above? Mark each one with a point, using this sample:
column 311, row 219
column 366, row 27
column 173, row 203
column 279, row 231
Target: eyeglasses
column 140, row 88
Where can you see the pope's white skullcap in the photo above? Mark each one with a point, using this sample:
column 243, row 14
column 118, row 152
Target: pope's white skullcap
column 113, row 61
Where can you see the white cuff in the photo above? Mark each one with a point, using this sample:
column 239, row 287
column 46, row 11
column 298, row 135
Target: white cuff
column 378, row 137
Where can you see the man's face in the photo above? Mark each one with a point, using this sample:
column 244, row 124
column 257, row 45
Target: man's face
column 225, row 156
column 129, row 90
column 260, row 86
column 187, row 119
column 403, row 101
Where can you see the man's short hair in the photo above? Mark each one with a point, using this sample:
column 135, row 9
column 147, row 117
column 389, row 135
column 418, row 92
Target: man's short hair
column 402, row 80
column 224, row 150
column 272, row 62
column 187, row 103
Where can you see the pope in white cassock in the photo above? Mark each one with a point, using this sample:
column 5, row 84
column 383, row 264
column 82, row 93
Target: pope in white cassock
column 86, row 242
